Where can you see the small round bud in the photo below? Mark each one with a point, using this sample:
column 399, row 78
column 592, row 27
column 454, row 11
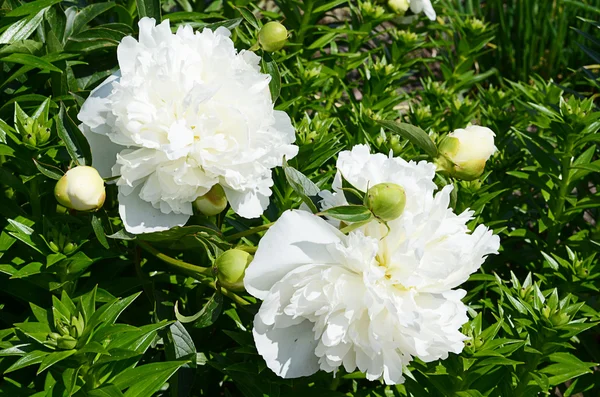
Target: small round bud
column 386, row 201
column 559, row 319
column 399, row 6
column 69, row 248
column 66, row 342
column 464, row 152
column 213, row 202
column 81, row 189
column 272, row 36
column 231, row 266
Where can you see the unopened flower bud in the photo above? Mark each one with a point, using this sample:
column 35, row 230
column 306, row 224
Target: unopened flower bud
column 559, row 319
column 464, row 152
column 213, row 202
column 66, row 342
column 272, row 36
column 386, row 201
column 398, row 6
column 81, row 188
column 231, row 266
column 69, row 248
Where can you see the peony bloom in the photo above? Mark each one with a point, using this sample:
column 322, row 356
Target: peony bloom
column 464, row 152
column 371, row 299
column 418, row 6
column 185, row 112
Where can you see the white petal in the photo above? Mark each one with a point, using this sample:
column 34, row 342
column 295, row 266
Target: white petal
column 247, row 204
column 140, row 216
column 289, row 352
column 104, row 151
column 97, row 107
column 297, row 238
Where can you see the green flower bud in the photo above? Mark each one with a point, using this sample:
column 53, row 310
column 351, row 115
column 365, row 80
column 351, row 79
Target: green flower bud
column 69, row 248
column 53, row 335
column 559, row 319
column 399, row 6
column 213, row 202
column 66, row 342
column 464, row 152
column 231, row 267
column 81, row 188
column 63, row 329
column 272, row 36
column 53, row 246
column 386, row 201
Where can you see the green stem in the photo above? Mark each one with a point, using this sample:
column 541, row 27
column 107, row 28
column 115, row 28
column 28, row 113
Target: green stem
column 559, row 207
column 194, row 271
column 305, row 20
column 249, row 232
column 231, row 295
column 335, row 383
column 34, row 198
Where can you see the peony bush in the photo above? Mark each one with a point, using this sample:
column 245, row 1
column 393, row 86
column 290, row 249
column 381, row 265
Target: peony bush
column 290, row 198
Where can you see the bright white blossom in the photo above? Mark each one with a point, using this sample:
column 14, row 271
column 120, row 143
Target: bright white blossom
column 418, row 6
column 185, row 111
column 370, row 300
column 468, row 150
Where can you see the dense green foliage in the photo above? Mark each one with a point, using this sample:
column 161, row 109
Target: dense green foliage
column 88, row 310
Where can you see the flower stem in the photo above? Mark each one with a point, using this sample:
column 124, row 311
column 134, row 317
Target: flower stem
column 194, row 271
column 305, row 19
column 249, row 232
column 233, row 296
column 559, row 207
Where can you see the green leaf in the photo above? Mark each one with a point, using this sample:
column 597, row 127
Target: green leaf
column 31, row 60
column 349, row 213
column 303, row 186
column 22, row 29
column 34, row 357
column 270, row 67
column 99, row 231
column 148, row 8
column 74, row 140
column 105, row 391
column 49, row 170
column 414, row 134
column 145, row 380
column 328, row 6
column 181, row 346
column 54, row 358
column 87, row 14
column 32, row 8
column 206, row 316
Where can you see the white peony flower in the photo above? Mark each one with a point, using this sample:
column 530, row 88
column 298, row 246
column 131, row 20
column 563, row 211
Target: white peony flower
column 468, row 150
column 185, row 112
column 370, row 300
column 418, row 6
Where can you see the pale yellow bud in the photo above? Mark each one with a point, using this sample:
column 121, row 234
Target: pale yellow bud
column 213, row 202
column 81, row 189
column 399, row 6
column 464, row 152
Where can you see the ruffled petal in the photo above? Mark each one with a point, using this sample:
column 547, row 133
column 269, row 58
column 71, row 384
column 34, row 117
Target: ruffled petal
column 297, row 238
column 140, row 216
column 290, row 351
column 104, row 151
column 96, row 110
